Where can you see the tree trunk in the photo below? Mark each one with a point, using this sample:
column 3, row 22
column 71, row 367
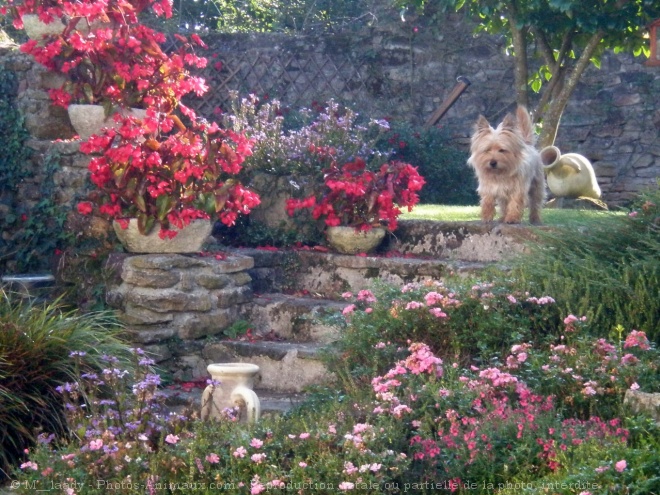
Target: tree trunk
column 521, row 72
column 556, row 107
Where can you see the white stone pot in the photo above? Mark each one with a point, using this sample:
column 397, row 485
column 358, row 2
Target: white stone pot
column 234, row 389
column 189, row 239
column 91, row 119
column 347, row 240
column 36, row 29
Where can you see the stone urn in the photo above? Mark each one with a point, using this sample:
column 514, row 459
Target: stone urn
column 232, row 388
column 189, row 239
column 570, row 175
column 348, row 240
column 91, row 119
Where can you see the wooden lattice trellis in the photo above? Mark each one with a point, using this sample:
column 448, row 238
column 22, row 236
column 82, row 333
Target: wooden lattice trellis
column 296, row 79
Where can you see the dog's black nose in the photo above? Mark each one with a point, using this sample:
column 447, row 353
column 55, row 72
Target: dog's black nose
column 493, row 164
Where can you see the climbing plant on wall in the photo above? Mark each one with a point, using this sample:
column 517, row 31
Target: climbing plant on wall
column 31, row 232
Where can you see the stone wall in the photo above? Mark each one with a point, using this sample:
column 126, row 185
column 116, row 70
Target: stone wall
column 171, row 303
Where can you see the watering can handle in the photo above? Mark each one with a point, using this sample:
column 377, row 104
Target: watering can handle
column 252, row 404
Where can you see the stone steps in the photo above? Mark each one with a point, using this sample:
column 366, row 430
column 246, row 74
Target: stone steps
column 282, row 295
column 286, row 367
column 328, row 275
column 292, row 317
column 182, row 401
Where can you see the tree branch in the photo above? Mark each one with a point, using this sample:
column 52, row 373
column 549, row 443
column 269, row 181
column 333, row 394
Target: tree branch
column 558, row 104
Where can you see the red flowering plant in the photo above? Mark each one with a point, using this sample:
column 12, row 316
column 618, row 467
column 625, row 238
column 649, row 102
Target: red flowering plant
column 119, row 63
column 164, row 173
column 354, row 196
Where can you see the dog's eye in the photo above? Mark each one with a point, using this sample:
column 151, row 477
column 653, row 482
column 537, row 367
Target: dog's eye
column 503, row 151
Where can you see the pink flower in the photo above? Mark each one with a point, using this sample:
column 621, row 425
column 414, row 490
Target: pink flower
column 637, row 339
column 257, row 488
column 240, row 452
column 304, row 436
column 438, row 313
column 30, row 465
column 349, row 468
column 366, row 296
column 621, row 466
column 172, row 439
column 414, row 305
column 213, row 458
column 634, row 386
column 256, row 443
column 346, row 485
column 348, row 309
column 95, row 444
column 258, row 458
column 302, row 464
column 629, row 359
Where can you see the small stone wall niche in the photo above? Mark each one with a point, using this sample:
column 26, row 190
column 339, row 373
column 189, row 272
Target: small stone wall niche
column 171, row 303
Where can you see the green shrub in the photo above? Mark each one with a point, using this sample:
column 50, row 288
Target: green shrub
column 608, row 270
column 460, row 320
column 35, row 347
column 449, row 181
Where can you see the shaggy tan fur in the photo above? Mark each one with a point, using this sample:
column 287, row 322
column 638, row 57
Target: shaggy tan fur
column 508, row 168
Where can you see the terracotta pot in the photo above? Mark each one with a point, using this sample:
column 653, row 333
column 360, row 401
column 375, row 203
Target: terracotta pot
column 233, row 389
column 190, row 239
column 91, row 119
column 347, row 240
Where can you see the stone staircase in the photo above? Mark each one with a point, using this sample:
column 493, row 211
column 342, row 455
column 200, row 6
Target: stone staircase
column 293, row 288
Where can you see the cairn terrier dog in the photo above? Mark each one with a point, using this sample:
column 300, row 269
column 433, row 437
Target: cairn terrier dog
column 508, row 168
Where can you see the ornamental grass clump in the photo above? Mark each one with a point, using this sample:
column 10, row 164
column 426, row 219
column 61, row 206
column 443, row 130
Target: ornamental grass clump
column 35, row 343
column 608, row 270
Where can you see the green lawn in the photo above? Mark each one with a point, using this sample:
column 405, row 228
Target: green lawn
column 466, row 213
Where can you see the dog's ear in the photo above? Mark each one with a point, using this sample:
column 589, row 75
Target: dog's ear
column 481, row 124
column 509, row 123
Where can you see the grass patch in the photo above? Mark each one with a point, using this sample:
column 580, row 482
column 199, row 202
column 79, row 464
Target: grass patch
column 553, row 217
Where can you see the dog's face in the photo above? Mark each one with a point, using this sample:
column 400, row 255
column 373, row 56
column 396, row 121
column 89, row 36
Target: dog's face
column 496, row 152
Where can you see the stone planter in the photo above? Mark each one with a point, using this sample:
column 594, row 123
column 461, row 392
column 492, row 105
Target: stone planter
column 36, row 29
column 190, row 239
column 347, row 240
column 91, row 119
column 233, row 389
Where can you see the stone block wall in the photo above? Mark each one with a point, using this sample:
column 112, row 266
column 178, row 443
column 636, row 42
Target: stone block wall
column 172, row 303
